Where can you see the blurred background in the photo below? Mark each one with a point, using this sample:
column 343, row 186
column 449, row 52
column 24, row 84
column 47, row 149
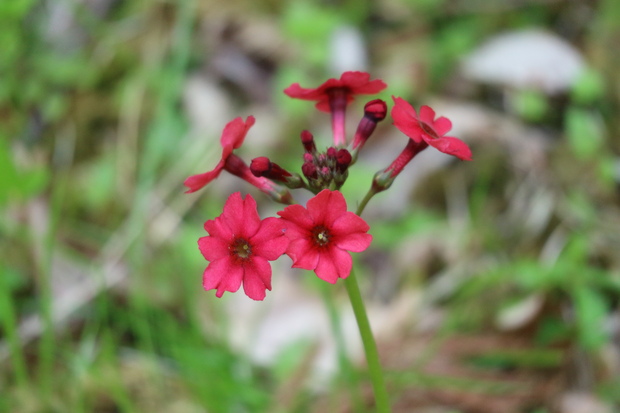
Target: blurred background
column 492, row 285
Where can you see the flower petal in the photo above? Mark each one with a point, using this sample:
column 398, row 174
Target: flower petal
column 442, row 126
column 298, row 216
column 326, row 207
column 452, row 146
column 356, row 242
column 406, row 119
column 218, row 228
column 303, row 253
column 195, row 182
column 241, row 215
column 213, row 248
column 360, row 83
column 349, row 223
column 257, row 278
column 270, row 241
column 334, row 263
column 427, row 115
column 223, row 275
column 234, row 133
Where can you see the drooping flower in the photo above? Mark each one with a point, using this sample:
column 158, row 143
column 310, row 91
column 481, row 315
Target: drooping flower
column 239, row 247
column 424, row 127
column 335, row 94
column 323, row 233
column 232, row 138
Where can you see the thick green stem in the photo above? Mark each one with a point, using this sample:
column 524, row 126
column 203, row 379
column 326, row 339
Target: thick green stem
column 382, row 400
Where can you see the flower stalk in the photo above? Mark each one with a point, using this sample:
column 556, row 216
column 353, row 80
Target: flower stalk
column 382, row 401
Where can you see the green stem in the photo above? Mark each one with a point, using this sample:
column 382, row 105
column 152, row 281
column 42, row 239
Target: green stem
column 345, row 364
column 371, row 192
column 382, row 400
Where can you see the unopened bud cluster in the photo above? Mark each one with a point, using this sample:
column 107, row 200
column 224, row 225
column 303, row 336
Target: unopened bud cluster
column 326, row 170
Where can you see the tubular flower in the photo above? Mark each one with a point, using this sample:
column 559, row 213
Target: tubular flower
column 334, row 95
column 351, row 83
column 424, row 127
column 232, row 138
column 322, row 234
column 239, row 247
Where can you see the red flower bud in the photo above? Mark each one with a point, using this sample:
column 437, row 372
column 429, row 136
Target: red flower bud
column 343, row 160
column 308, row 141
column 260, row 166
column 376, row 110
column 309, row 170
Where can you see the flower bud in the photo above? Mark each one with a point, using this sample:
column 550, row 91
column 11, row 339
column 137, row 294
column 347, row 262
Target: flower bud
column 308, row 141
column 260, row 166
column 309, row 170
column 343, row 160
column 374, row 112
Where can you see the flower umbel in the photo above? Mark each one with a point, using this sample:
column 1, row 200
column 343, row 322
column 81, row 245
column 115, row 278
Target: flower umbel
column 322, row 234
column 239, row 247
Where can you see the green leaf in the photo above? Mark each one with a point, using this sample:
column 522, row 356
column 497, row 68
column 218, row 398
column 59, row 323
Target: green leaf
column 590, row 312
column 585, row 132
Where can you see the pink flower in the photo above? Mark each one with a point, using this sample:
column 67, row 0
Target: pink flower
column 334, row 95
column 322, row 234
column 232, row 138
column 428, row 129
column 239, row 246
column 351, row 83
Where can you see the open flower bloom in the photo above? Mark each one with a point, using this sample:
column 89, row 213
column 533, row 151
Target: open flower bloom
column 335, row 94
column 239, row 247
column 424, row 127
column 232, row 138
column 322, row 234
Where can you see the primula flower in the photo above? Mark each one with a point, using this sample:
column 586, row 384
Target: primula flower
column 335, row 94
column 232, row 138
column 322, row 234
column 424, row 127
column 239, row 246
column 423, row 131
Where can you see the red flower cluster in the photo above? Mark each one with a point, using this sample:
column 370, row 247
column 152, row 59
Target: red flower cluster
column 320, row 236
column 240, row 244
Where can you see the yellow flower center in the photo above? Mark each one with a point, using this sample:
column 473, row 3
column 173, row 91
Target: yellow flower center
column 321, row 235
column 241, row 248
